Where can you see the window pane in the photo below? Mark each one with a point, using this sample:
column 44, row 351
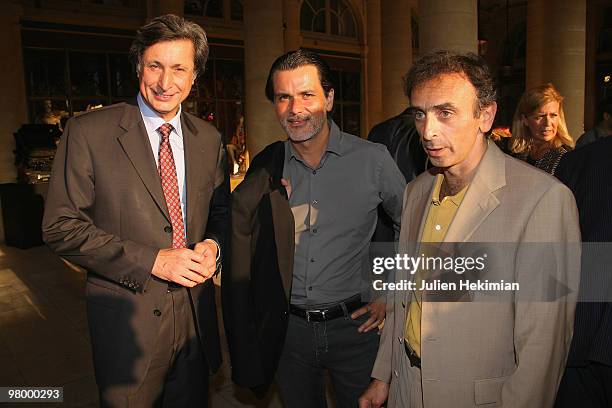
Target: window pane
column 88, row 75
column 229, row 79
column 312, row 16
column 213, row 8
column 335, row 24
column 46, row 73
column 347, row 23
column 205, row 82
column 338, row 94
column 123, row 78
column 123, row 3
column 318, row 24
column 337, row 115
column 194, row 7
column 351, row 87
column 237, row 10
column 351, row 119
column 306, row 16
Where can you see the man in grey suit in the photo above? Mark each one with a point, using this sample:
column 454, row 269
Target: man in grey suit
column 488, row 348
column 139, row 198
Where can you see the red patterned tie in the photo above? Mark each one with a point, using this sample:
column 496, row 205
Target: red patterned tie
column 167, row 172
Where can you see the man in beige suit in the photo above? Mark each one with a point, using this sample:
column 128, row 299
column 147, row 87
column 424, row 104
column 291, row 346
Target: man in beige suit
column 139, row 198
column 510, row 350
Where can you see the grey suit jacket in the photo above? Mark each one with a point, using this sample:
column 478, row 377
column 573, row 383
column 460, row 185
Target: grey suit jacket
column 497, row 352
column 106, row 212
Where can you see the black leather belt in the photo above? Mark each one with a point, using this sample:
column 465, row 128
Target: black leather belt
column 415, row 361
column 328, row 312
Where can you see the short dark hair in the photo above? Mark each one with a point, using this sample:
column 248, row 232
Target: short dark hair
column 296, row 59
column 437, row 63
column 170, row 27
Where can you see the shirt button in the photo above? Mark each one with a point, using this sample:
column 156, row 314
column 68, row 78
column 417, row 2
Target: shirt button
column 310, row 288
column 312, row 259
column 314, row 230
column 168, row 229
column 315, row 202
column 438, row 227
column 314, row 172
column 157, row 312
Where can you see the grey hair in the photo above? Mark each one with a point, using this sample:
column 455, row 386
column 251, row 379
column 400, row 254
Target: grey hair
column 170, row 27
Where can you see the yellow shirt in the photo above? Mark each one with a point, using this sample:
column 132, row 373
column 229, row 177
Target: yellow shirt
column 439, row 217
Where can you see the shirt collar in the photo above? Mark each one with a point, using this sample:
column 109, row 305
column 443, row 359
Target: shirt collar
column 153, row 121
column 334, row 143
column 455, row 199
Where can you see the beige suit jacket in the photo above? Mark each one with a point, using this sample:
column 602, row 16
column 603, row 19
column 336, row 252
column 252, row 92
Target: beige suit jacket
column 492, row 353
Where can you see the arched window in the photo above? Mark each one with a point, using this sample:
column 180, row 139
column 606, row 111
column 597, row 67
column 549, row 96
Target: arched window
column 332, row 17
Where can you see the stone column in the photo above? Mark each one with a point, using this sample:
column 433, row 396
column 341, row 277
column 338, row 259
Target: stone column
column 291, row 22
column 13, row 105
column 263, row 43
column 556, row 37
column 373, row 65
column 448, row 24
column 396, row 54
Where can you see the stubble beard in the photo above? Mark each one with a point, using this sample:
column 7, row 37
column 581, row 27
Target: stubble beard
column 313, row 126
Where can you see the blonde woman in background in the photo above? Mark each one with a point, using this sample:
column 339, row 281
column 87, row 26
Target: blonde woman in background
column 539, row 132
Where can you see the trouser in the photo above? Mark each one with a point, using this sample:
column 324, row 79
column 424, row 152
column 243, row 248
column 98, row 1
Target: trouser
column 178, row 373
column 589, row 386
column 334, row 345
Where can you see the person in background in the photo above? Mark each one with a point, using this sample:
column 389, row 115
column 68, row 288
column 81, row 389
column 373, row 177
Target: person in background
column 587, row 381
column 539, row 132
column 603, row 128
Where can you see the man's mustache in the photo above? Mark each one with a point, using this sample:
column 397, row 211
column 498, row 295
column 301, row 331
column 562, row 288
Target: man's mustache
column 297, row 118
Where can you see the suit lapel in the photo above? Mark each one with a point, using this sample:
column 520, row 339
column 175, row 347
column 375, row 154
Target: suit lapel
column 136, row 145
column 195, row 155
column 479, row 200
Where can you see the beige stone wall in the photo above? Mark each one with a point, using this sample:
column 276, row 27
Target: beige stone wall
column 448, row 24
column 263, row 43
column 373, row 55
column 396, row 54
column 13, row 108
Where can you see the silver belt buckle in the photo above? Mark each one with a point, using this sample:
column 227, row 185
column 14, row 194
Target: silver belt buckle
column 308, row 312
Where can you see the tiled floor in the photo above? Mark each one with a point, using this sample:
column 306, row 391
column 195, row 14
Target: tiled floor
column 44, row 339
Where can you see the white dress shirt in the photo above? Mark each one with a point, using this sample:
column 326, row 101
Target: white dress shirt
column 152, row 122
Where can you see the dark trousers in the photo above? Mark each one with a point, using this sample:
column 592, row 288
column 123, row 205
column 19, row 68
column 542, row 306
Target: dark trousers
column 178, row 373
column 334, row 345
column 586, row 387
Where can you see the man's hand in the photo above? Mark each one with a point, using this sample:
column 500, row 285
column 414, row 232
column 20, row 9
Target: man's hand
column 208, row 248
column 377, row 310
column 376, row 394
column 180, row 265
